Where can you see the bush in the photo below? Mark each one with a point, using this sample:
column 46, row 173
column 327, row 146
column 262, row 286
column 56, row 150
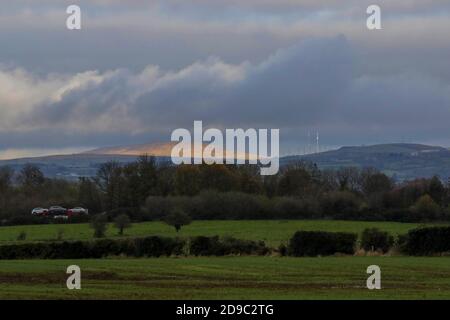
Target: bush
column 99, row 223
column 425, row 209
column 177, row 218
column 149, row 246
column 341, row 205
column 22, row 236
column 122, row 222
column 373, row 239
column 24, row 220
column 282, row 250
column 314, row 243
column 157, row 246
column 214, row 246
column 294, row 208
column 427, row 241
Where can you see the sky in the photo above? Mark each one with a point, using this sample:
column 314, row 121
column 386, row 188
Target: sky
column 137, row 70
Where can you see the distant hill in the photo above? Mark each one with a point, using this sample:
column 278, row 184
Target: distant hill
column 69, row 167
column 404, row 160
column 86, row 164
column 155, row 149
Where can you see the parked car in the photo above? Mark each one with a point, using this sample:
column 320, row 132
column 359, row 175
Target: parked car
column 57, row 211
column 77, row 211
column 39, row 212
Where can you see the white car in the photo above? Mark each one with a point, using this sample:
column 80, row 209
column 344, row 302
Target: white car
column 77, row 211
column 39, row 212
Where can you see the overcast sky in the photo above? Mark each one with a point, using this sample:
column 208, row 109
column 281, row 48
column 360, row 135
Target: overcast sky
column 136, row 72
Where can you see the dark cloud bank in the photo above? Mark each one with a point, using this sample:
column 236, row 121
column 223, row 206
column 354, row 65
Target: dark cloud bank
column 316, row 84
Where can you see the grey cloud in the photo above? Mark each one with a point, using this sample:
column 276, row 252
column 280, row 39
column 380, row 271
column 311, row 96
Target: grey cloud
column 160, row 65
column 313, row 85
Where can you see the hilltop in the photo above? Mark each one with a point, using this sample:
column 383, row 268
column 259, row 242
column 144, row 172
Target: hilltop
column 402, row 160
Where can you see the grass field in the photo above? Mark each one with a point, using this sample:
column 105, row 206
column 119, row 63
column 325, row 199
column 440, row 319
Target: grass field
column 228, row 278
column 247, row 277
column 271, row 231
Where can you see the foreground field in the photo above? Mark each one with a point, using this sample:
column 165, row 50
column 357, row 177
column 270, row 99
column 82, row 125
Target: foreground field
column 271, row 231
column 228, row 278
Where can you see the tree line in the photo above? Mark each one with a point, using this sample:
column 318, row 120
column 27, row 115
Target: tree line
column 147, row 189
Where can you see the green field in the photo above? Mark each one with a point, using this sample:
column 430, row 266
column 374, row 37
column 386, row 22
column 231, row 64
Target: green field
column 271, row 231
column 228, row 278
column 249, row 277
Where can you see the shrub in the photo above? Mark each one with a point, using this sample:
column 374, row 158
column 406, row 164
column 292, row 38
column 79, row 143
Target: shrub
column 157, row 246
column 99, row 224
column 25, row 220
column 314, row 243
column 150, row 246
column 425, row 209
column 235, row 246
column 427, row 241
column 341, row 204
column 282, row 250
column 22, row 236
column 373, row 239
column 177, row 218
column 214, row 246
column 105, row 247
column 202, row 246
column 294, row 208
column 121, row 222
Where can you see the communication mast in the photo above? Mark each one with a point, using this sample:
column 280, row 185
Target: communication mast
column 317, row 142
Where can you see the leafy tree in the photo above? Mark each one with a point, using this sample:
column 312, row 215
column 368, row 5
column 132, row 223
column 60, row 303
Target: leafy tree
column 375, row 182
column 177, row 218
column 425, row 208
column 31, row 178
column 188, row 180
column 99, row 223
column 299, row 179
column 6, row 176
column 110, row 183
column 218, row 177
column 349, row 178
column 250, row 179
column 147, row 169
column 122, row 222
column 436, row 190
column 131, row 184
column 89, row 195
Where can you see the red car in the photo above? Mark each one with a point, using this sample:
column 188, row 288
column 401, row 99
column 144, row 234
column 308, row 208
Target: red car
column 78, row 211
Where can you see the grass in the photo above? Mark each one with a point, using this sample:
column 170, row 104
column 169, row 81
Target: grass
column 229, row 278
column 272, row 231
column 223, row 277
